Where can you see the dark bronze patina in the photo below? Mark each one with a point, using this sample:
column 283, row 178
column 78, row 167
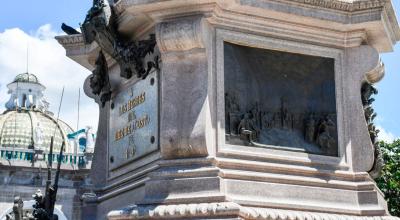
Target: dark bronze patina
column 100, row 26
column 367, row 91
column 69, row 30
column 43, row 209
column 99, row 80
column 280, row 100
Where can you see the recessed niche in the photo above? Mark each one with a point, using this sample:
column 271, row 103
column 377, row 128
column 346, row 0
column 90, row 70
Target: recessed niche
column 280, row 100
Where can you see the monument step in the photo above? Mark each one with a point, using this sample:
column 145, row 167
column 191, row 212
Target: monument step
column 228, row 210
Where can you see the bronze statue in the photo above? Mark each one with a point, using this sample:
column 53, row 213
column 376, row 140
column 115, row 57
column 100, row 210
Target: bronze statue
column 367, row 90
column 43, row 209
column 99, row 80
column 17, row 210
column 69, row 30
column 100, row 26
column 44, row 206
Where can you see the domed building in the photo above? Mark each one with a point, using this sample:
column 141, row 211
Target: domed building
column 27, row 123
column 27, row 128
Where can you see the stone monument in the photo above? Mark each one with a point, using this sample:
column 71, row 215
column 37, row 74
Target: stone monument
column 228, row 109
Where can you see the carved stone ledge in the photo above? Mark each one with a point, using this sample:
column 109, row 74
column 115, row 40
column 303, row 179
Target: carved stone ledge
column 227, row 209
column 176, row 211
column 67, row 40
column 251, row 213
column 342, row 5
column 376, row 74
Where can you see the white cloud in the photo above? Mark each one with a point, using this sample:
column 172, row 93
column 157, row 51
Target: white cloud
column 48, row 62
column 385, row 136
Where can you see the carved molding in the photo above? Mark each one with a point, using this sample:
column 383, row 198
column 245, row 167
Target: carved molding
column 376, row 74
column 367, row 91
column 70, row 40
column 176, row 211
column 343, row 5
column 251, row 213
column 181, row 35
column 227, row 209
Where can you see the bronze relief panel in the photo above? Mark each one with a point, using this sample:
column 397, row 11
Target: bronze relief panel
column 281, row 100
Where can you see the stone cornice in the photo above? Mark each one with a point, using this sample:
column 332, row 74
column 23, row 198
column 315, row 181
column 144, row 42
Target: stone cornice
column 342, row 20
column 70, row 40
column 346, row 31
column 227, row 209
column 344, row 5
column 341, row 5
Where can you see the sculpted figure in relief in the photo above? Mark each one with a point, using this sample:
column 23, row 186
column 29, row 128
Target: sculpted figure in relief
column 90, row 141
column 367, row 90
column 263, row 126
column 99, row 81
column 325, row 137
column 247, row 128
column 310, row 129
column 38, row 136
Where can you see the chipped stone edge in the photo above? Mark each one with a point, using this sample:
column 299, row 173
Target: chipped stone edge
column 226, row 209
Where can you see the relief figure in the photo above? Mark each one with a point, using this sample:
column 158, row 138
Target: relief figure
column 310, row 129
column 247, row 128
column 325, row 136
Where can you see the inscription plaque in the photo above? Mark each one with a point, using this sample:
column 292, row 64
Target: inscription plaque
column 133, row 129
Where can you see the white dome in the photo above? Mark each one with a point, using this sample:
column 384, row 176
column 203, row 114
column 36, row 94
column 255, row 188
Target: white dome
column 19, row 129
column 26, row 78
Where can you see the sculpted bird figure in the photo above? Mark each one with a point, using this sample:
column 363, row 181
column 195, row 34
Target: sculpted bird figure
column 69, row 30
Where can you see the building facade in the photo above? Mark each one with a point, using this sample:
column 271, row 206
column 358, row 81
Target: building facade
column 26, row 129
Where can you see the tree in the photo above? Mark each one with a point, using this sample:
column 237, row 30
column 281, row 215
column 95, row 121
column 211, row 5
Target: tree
column 389, row 182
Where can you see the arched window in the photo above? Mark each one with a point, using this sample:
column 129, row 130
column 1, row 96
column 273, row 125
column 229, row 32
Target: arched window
column 23, row 104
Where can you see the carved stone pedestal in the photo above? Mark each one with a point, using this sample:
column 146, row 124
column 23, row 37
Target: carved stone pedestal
column 259, row 113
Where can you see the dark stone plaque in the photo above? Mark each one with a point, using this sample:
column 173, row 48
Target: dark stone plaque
column 281, row 100
column 133, row 129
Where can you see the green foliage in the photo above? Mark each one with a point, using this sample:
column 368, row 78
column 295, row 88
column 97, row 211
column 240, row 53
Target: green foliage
column 389, row 182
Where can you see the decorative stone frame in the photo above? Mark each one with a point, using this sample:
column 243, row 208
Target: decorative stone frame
column 147, row 160
column 276, row 154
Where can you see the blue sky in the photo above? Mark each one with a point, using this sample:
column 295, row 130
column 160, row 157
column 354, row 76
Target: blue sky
column 30, row 16
column 35, row 23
